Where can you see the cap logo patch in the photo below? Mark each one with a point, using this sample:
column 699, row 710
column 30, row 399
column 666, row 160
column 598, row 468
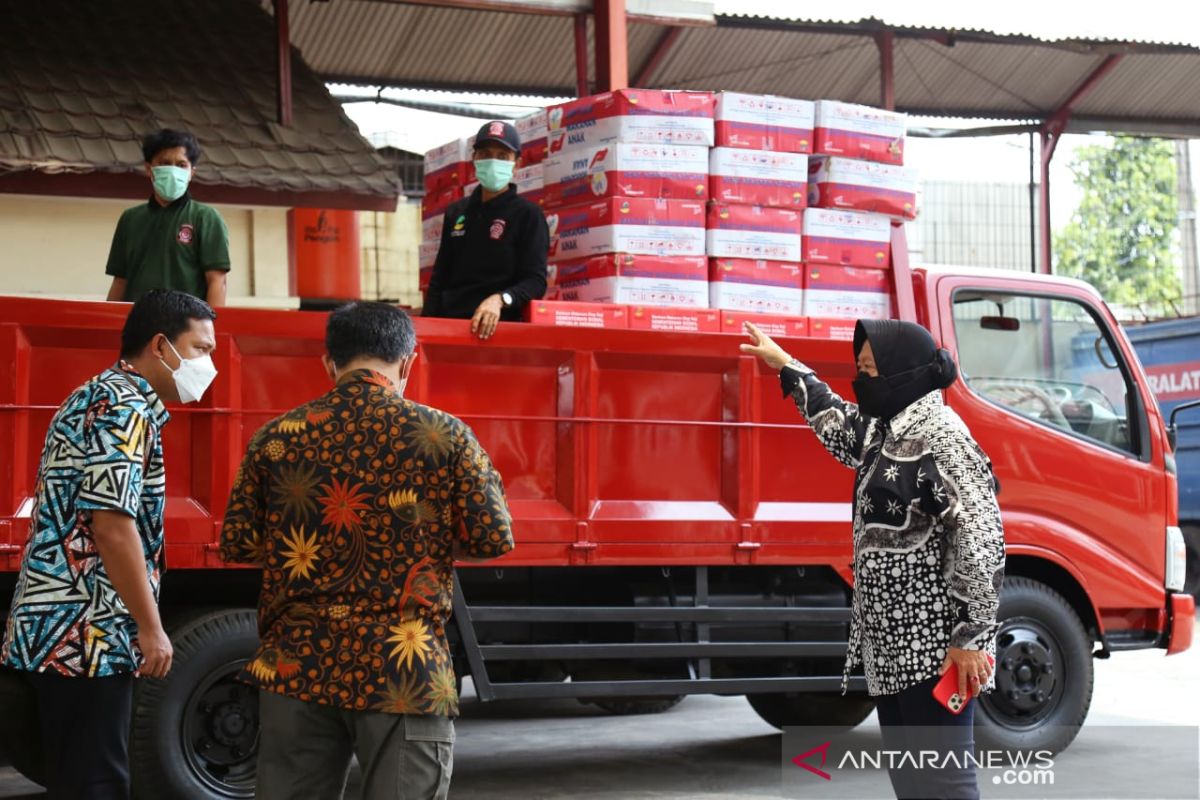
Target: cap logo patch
column 496, row 129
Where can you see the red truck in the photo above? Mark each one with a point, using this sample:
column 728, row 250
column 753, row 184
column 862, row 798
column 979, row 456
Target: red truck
column 679, row 530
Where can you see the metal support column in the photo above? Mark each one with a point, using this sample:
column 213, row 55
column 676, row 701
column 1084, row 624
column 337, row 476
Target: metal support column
column 612, row 45
column 283, row 54
column 1050, row 131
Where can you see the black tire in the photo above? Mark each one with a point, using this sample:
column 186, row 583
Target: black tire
column 195, row 733
column 637, row 705
column 1044, row 672
column 811, row 708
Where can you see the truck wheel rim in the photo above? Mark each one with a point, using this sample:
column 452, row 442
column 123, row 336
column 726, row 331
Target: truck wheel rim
column 1029, row 672
column 220, row 732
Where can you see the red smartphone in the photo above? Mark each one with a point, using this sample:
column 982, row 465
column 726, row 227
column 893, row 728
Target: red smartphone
column 946, row 690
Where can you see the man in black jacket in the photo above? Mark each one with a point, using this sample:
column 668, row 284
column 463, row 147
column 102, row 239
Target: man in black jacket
column 492, row 260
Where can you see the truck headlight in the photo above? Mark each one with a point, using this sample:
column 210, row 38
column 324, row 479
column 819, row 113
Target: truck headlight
column 1176, row 559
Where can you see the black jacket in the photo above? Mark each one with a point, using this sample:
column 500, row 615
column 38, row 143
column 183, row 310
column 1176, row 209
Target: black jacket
column 489, row 248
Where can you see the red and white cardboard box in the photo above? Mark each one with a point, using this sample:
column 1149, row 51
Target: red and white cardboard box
column 848, row 238
column 770, row 324
column 636, row 225
column 758, row 177
column 756, row 286
column 635, row 280
column 576, row 315
column 862, row 186
column 447, row 165
column 632, row 115
column 530, row 183
column 764, row 122
column 435, row 203
column 427, row 253
column 532, row 130
column 854, row 131
column 737, row 231
column 431, row 228
column 680, row 320
column 837, row 329
column 847, row 293
column 626, row 169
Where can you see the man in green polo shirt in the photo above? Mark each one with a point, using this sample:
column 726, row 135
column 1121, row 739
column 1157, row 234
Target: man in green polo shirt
column 172, row 241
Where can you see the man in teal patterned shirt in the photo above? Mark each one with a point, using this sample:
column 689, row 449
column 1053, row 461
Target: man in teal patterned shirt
column 84, row 617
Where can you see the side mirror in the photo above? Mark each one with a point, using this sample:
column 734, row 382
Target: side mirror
column 1000, row 323
column 1172, row 430
column 1104, row 354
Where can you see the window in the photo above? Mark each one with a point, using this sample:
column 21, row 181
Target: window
column 1048, row 359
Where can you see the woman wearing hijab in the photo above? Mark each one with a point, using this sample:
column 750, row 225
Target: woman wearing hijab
column 928, row 541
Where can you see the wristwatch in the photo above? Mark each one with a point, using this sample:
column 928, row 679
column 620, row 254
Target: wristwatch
column 507, row 299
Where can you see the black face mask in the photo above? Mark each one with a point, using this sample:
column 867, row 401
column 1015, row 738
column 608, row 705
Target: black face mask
column 871, row 394
column 886, row 396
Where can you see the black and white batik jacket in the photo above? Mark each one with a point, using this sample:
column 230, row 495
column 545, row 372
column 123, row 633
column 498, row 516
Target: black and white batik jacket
column 928, row 540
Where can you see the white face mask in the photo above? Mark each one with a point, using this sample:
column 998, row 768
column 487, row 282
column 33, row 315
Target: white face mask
column 193, row 377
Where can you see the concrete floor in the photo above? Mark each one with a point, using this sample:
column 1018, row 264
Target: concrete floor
column 716, row 747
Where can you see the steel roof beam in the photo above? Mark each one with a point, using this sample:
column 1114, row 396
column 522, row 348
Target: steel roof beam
column 661, row 48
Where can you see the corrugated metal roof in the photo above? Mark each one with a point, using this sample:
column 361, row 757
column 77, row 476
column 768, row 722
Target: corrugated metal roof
column 938, row 72
column 81, row 83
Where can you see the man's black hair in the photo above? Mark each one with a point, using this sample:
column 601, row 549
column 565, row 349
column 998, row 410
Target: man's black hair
column 167, row 138
column 374, row 330
column 164, row 311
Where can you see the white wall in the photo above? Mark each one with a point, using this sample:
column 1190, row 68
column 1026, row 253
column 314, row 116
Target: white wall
column 58, row 246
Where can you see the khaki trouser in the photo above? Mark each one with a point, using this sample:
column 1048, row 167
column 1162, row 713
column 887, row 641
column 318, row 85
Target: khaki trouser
column 304, row 752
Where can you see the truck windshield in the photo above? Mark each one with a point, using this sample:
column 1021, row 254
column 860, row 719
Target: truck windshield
column 1049, row 359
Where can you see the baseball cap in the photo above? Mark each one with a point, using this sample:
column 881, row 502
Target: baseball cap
column 501, row 132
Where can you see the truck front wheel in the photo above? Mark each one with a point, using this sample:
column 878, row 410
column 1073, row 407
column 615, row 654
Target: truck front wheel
column 1044, row 671
column 835, row 710
column 195, row 733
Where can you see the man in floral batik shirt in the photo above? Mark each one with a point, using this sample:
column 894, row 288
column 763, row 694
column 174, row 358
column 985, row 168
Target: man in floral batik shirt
column 355, row 506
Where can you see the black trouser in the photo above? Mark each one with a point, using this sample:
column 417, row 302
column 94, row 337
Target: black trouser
column 912, row 721
column 85, row 735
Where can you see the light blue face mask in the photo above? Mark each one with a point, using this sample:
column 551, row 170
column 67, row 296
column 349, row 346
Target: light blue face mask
column 494, row 174
column 170, row 182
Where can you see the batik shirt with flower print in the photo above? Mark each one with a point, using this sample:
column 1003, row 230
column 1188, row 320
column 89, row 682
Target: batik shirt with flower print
column 928, row 537
column 355, row 506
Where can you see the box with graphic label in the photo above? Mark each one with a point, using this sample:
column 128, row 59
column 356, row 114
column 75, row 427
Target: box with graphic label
column 576, row 315
column 847, row 293
column 737, row 231
column 854, row 131
column 771, row 324
column 449, row 165
column 625, row 169
column 764, row 122
column 436, row 203
column 678, row 320
column 758, row 177
column 848, row 238
column 846, row 183
column 756, row 286
column 837, row 329
column 635, row 280
column 632, row 115
column 639, row 226
column 532, row 130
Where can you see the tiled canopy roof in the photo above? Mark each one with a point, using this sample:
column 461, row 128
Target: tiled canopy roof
column 81, row 83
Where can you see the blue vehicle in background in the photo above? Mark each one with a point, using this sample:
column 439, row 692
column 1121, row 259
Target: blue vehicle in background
column 1170, row 354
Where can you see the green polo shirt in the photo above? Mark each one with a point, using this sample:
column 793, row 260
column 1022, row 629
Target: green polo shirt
column 168, row 247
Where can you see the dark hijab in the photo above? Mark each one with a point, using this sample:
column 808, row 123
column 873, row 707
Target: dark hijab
column 910, row 366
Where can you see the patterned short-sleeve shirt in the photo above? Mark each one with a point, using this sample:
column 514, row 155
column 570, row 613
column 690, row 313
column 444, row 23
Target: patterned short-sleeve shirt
column 355, row 506
column 103, row 451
